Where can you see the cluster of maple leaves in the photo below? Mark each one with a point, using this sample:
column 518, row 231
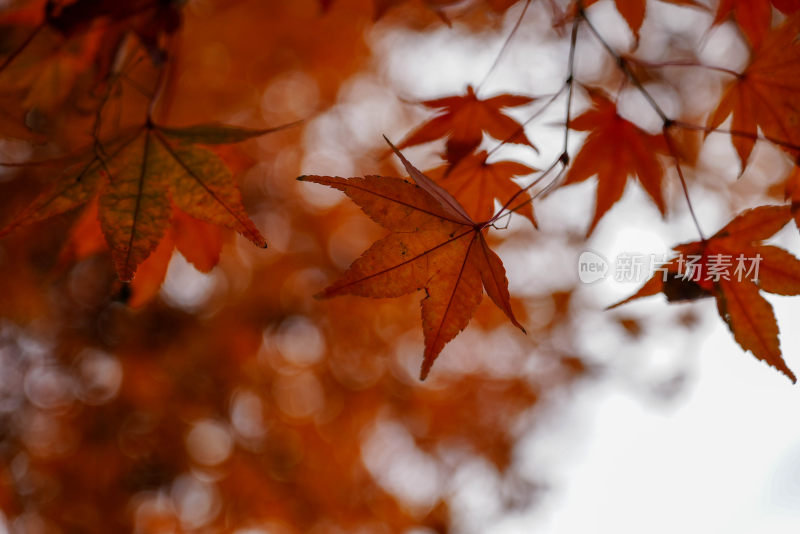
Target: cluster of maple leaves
column 443, row 261
column 103, row 385
column 141, row 177
column 92, row 92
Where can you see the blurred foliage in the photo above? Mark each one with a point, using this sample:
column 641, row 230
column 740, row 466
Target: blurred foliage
column 211, row 393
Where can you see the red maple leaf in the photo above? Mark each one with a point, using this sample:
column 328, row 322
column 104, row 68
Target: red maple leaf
column 765, row 95
column 733, row 266
column 614, row 150
column 463, row 119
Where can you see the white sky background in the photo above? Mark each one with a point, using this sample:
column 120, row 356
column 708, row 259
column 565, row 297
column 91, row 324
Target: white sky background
column 721, row 456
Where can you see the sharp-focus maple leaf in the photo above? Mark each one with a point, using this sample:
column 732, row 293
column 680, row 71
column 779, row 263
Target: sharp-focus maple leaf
column 475, row 183
column 139, row 178
column 614, row 150
column 765, row 94
column 732, row 266
column 463, row 119
column 433, row 245
column 753, row 16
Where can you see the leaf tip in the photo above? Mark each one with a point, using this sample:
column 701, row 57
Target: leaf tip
column 423, row 372
column 257, row 239
column 394, row 148
column 126, row 275
column 322, row 295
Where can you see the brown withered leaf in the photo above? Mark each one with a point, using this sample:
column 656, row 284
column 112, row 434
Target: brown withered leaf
column 433, row 245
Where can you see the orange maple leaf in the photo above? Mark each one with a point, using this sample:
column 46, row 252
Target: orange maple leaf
column 139, row 178
column 792, row 192
column 765, row 94
column 475, row 183
column 463, row 119
column 433, row 245
column 199, row 242
column 614, row 150
column 732, row 266
column 753, row 16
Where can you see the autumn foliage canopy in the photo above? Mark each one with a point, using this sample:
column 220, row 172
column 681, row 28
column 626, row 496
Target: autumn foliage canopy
column 179, row 179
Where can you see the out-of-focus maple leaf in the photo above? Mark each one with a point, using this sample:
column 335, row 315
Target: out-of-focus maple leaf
column 732, row 266
column 139, row 178
column 475, row 183
column 463, row 119
column 147, row 18
column 433, row 245
column 633, row 11
column 48, row 71
column 64, row 41
column 614, row 150
column 753, row 16
column 765, row 94
column 198, row 241
column 382, row 6
column 792, row 192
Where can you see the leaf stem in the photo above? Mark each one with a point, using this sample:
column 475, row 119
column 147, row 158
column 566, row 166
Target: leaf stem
column 573, row 42
column 736, row 133
column 674, row 153
column 21, row 48
column 683, row 64
column 623, row 66
column 563, row 158
column 535, row 114
column 504, row 47
column 667, row 122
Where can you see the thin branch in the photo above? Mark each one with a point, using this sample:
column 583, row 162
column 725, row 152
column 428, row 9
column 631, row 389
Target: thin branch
column 683, row 64
column 674, row 153
column 571, row 84
column 507, row 211
column 521, row 128
column 21, row 48
column 563, row 158
column 667, row 122
column 736, row 133
column 623, row 66
column 504, row 47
